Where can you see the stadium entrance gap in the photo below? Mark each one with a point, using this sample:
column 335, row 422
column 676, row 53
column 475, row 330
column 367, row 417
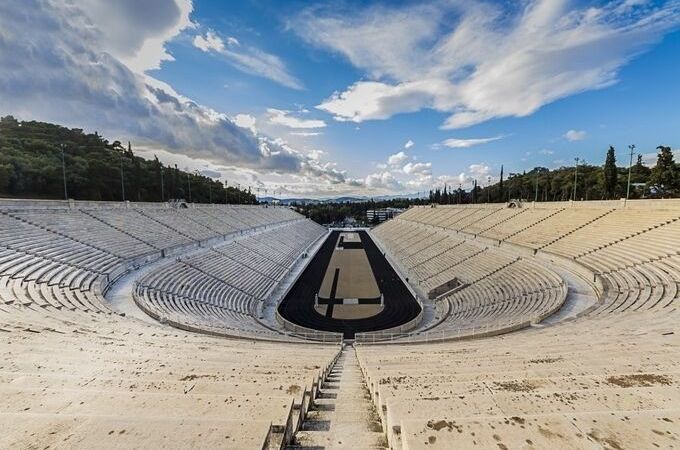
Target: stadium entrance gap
column 349, row 287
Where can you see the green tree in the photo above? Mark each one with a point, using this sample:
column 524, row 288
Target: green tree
column 6, row 173
column 664, row 177
column 610, row 174
column 30, row 167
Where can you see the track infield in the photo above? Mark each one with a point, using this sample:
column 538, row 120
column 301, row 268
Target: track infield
column 299, row 304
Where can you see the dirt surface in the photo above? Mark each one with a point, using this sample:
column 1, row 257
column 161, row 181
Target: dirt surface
column 355, row 276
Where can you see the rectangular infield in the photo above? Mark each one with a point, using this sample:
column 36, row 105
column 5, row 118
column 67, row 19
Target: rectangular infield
column 355, row 278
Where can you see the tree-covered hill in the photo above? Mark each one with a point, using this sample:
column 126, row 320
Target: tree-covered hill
column 591, row 182
column 31, row 167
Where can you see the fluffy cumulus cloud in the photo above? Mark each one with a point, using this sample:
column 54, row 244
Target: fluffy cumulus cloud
column 480, row 60
column 417, row 168
column 139, row 34
column 397, row 159
column 479, row 172
column 409, row 144
column 399, row 173
column 247, row 59
column 67, row 70
column 245, row 121
column 383, row 181
column 575, row 135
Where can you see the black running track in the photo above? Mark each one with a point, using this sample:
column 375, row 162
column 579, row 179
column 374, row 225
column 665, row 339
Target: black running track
column 399, row 308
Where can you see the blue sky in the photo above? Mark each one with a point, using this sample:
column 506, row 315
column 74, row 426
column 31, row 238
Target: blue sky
column 352, row 97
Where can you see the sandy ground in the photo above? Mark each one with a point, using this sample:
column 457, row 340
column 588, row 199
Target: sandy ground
column 355, row 311
column 355, row 280
column 351, row 237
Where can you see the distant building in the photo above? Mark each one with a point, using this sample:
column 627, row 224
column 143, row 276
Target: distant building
column 382, row 214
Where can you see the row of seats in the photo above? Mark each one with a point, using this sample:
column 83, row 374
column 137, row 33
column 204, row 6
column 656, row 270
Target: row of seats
column 606, row 379
column 219, row 289
column 632, row 249
column 129, row 232
column 75, row 374
column 498, row 290
column 65, row 256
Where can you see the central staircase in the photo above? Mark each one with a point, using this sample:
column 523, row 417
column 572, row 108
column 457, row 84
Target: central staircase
column 343, row 416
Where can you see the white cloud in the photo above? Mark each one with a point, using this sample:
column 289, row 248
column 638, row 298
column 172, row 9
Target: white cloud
column 250, row 60
column 382, row 180
column 397, row 159
column 467, row 143
column 61, row 72
column 305, row 133
column 315, row 154
column 245, row 121
column 209, row 42
column 650, row 159
column 480, row 60
column 367, row 100
column 546, row 151
column 479, row 170
column 409, row 144
column 281, row 117
column 575, row 135
column 418, row 168
column 139, row 31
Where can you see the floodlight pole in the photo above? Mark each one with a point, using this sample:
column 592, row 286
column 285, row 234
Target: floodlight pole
column 162, row 185
column 630, row 166
column 488, row 189
column 63, row 170
column 122, row 177
column 575, row 176
column 189, row 183
column 536, row 189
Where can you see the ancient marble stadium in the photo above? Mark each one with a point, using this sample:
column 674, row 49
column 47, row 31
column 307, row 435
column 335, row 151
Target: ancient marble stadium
column 532, row 326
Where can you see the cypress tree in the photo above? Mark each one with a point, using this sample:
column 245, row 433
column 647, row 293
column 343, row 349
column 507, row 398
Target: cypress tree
column 610, row 173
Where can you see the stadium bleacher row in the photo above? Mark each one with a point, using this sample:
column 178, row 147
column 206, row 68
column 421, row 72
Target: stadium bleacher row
column 73, row 373
column 497, row 290
column 607, row 379
column 220, row 289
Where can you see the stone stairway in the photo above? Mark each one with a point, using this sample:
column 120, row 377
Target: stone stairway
column 343, row 416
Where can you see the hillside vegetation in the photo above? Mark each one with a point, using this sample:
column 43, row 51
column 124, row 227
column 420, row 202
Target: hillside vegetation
column 606, row 182
column 31, row 167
